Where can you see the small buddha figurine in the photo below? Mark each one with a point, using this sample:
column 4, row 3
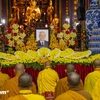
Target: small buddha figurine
column 50, row 11
column 33, row 11
column 55, row 22
column 15, row 11
column 11, row 19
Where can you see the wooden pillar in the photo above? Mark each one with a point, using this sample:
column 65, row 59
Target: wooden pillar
column 87, row 4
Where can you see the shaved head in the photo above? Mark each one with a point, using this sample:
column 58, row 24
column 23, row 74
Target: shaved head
column 25, row 80
column 96, row 63
column 74, row 79
column 19, row 68
column 48, row 63
column 70, row 68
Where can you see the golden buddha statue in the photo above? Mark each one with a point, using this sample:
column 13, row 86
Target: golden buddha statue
column 50, row 10
column 55, row 22
column 33, row 11
column 11, row 19
column 15, row 11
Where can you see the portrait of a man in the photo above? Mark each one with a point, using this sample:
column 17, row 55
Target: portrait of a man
column 42, row 37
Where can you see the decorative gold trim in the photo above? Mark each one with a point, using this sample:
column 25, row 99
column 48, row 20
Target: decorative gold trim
column 67, row 7
column 75, row 3
column 83, row 41
column 60, row 13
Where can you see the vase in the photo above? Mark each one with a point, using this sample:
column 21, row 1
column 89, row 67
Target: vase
column 93, row 26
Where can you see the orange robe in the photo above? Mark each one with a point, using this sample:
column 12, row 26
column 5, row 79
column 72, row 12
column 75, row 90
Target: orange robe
column 3, row 80
column 70, row 95
column 26, row 95
column 12, row 87
column 62, row 86
column 91, row 80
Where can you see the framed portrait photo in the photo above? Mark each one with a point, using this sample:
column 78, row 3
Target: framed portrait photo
column 42, row 37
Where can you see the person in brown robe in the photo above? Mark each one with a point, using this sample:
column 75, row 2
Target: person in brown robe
column 12, row 85
column 74, row 93
column 62, row 85
column 25, row 93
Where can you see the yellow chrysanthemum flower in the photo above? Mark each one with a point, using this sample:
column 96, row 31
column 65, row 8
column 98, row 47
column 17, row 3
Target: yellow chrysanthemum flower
column 43, row 52
column 66, row 26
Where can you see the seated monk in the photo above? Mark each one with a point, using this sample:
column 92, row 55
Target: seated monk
column 3, row 79
column 96, row 91
column 12, row 84
column 74, row 93
column 25, row 84
column 92, row 77
column 47, row 81
column 62, row 85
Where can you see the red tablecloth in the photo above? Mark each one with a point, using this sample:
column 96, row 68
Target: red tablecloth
column 83, row 70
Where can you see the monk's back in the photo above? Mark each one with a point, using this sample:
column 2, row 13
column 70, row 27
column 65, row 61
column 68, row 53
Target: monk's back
column 90, row 80
column 62, row 86
column 3, row 78
column 70, row 95
column 47, row 80
column 27, row 97
column 85, row 94
column 12, row 87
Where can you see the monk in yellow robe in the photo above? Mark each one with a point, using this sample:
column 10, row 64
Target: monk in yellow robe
column 74, row 93
column 25, row 85
column 12, row 84
column 96, row 91
column 92, row 77
column 47, row 81
column 62, row 85
column 3, row 79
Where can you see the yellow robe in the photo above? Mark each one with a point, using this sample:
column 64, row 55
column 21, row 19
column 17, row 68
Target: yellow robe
column 12, row 87
column 62, row 86
column 96, row 91
column 47, row 80
column 70, row 95
column 26, row 95
column 91, row 79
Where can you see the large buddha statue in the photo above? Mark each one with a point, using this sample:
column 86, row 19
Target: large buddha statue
column 50, row 11
column 32, row 12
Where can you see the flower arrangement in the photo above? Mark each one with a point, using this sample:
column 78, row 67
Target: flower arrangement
column 56, row 56
column 53, row 39
column 66, row 37
column 31, row 44
column 15, row 35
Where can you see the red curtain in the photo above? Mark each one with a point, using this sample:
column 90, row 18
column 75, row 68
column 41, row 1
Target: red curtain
column 83, row 70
